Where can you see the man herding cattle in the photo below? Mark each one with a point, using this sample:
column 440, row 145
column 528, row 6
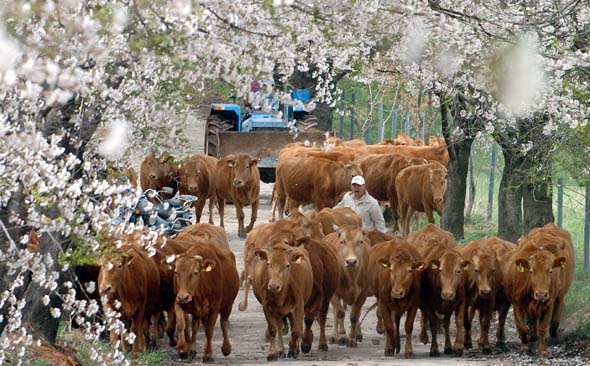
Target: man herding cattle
column 364, row 205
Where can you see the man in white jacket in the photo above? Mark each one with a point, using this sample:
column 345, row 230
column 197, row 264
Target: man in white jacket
column 361, row 202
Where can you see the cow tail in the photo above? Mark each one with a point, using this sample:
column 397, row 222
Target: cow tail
column 367, row 312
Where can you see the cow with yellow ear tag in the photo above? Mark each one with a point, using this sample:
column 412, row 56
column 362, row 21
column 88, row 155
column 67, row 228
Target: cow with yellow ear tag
column 206, row 283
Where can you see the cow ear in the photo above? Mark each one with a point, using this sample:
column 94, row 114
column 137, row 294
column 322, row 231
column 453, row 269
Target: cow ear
column 336, row 229
column 419, row 266
column 302, row 241
column 261, row 254
column 434, row 264
column 559, row 262
column 408, row 161
column 297, row 258
column 384, row 262
column 207, row 265
column 253, row 162
column 465, row 265
column 231, row 163
column 521, row 264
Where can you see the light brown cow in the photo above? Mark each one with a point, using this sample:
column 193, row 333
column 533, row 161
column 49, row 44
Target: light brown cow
column 283, row 283
column 211, row 233
column 320, row 181
column 380, row 171
column 421, row 188
column 430, row 153
column 159, row 172
column 237, row 179
column 331, row 218
column 309, row 227
column 395, row 275
column 375, row 237
column 443, row 287
column 132, row 278
column 558, row 241
column 195, row 177
column 353, row 251
column 206, row 284
column 484, row 279
column 503, row 249
column 531, row 280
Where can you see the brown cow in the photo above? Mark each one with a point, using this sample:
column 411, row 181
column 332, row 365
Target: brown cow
column 421, row 188
column 211, row 233
column 309, row 227
column 395, row 272
column 159, row 172
column 329, row 218
column 237, row 179
column 484, row 279
column 531, row 280
column 206, row 284
column 132, row 278
column 380, row 171
column 443, row 286
column 375, row 237
column 353, row 251
column 559, row 242
column 320, row 181
column 503, row 249
column 430, row 153
column 283, row 283
column 195, row 177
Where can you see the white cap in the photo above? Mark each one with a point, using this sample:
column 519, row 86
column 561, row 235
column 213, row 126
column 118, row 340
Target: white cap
column 357, row 179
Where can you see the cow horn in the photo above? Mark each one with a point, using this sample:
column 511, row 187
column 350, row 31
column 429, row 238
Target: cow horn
column 198, row 257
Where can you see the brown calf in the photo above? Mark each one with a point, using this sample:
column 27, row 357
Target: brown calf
column 195, row 177
column 158, row 172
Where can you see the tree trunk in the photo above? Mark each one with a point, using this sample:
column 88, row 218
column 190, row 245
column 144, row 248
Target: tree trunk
column 510, row 198
column 453, row 216
column 472, row 190
column 537, row 194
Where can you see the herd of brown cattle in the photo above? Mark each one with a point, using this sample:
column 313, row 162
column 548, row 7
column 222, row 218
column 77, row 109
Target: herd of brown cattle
column 299, row 266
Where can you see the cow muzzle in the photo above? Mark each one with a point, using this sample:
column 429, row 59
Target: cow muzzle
column 183, row 298
column 106, row 289
column 193, row 188
column 485, row 292
column 275, row 288
column 447, row 295
column 351, row 262
column 541, row 296
column 238, row 183
column 398, row 294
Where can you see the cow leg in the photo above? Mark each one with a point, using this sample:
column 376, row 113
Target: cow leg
column 429, row 215
column 485, row 316
column 403, row 212
column 253, row 215
column 271, row 322
column 171, row 325
column 307, row 339
column 199, row 206
column 224, row 324
column 221, row 208
column 240, row 215
column 355, row 331
column 181, row 344
column 397, row 316
column 543, row 323
column 521, row 327
column 460, row 336
column 409, row 327
column 339, row 314
column 555, row 317
column 389, row 329
column 379, row 328
column 433, row 320
column 469, row 314
column 209, row 327
column 211, row 206
column 138, row 327
column 447, row 325
column 296, row 329
column 246, row 282
column 152, row 340
column 194, row 333
column 323, row 316
column 502, row 314
column 423, row 326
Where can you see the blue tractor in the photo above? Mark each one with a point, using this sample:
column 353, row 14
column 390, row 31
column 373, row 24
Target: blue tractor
column 261, row 134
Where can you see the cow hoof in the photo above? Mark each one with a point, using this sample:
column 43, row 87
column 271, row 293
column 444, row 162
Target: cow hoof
column 242, row 235
column 501, row 345
column 434, row 353
column 359, row 337
column 468, row 345
column 305, row 347
column 323, row 347
column 409, row 354
column 333, row 340
column 343, row 341
column 389, row 353
column 192, row 354
column 182, row 355
column 292, row 354
column 449, row 351
column 553, row 333
column 272, row 357
column 459, row 352
column 226, row 350
column 424, row 338
column 352, row 343
column 281, row 354
column 208, row 359
column 486, row 350
column 242, row 306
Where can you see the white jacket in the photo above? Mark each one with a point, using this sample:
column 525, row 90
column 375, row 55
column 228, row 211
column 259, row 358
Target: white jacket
column 367, row 208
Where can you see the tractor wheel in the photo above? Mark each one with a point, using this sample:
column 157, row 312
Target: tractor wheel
column 215, row 124
column 308, row 124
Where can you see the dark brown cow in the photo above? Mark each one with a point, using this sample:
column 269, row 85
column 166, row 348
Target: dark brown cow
column 503, row 249
column 320, row 181
column 331, row 218
column 559, row 242
column 421, row 188
column 283, row 283
column 159, row 172
column 395, row 273
column 132, row 278
column 353, row 251
column 206, row 284
column 531, row 280
column 484, row 279
column 237, row 179
column 443, row 286
column 195, row 177
column 380, row 171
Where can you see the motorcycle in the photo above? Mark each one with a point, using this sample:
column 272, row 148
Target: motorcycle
column 169, row 215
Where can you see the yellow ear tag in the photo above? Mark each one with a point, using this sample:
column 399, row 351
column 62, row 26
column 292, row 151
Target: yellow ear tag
column 421, row 266
column 519, row 268
column 563, row 264
column 384, row 265
column 466, row 268
column 209, row 268
column 434, row 266
column 298, row 260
